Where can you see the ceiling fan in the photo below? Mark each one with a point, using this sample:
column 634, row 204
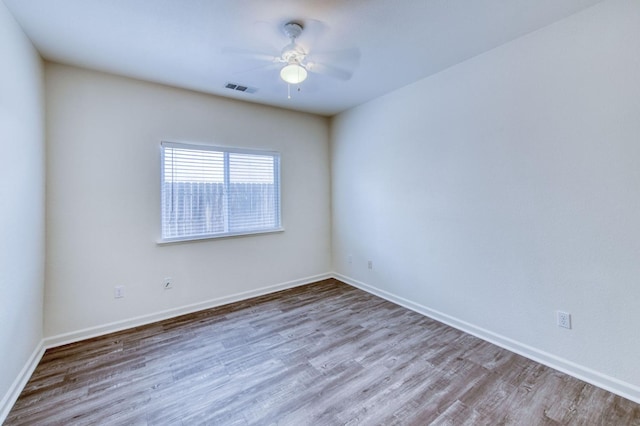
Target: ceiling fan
column 293, row 55
column 296, row 63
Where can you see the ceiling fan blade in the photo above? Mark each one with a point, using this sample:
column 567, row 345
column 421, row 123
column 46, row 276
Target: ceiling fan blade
column 330, row 71
column 338, row 64
column 346, row 58
column 249, row 54
column 263, row 67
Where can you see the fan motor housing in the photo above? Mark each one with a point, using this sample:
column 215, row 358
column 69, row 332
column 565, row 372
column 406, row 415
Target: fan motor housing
column 292, row 53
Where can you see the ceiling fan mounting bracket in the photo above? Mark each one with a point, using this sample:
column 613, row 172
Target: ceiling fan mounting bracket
column 293, row 29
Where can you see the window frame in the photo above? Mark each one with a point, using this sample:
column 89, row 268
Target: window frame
column 225, row 150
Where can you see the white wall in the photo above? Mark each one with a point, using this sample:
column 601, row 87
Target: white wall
column 103, row 201
column 506, row 188
column 22, row 205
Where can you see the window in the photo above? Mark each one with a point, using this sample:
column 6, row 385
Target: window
column 215, row 192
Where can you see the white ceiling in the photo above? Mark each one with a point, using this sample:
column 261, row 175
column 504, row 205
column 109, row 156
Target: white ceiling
column 191, row 43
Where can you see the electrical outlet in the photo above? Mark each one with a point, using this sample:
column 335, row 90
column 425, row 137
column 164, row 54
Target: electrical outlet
column 167, row 284
column 564, row 319
column 118, row 292
column 370, row 264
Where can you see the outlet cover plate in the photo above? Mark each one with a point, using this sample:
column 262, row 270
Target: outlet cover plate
column 564, row 319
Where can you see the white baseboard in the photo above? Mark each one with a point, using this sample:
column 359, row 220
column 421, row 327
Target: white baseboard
column 20, row 382
column 612, row 384
column 619, row 387
column 87, row 333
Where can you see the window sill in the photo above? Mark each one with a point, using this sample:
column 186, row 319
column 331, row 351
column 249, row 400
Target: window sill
column 180, row 240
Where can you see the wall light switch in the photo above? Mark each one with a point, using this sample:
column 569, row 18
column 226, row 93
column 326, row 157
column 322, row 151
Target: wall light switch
column 118, row 292
column 167, row 284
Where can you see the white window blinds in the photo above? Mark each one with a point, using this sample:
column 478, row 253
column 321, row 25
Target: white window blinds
column 211, row 192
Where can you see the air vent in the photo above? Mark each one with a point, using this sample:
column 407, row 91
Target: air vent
column 240, row 88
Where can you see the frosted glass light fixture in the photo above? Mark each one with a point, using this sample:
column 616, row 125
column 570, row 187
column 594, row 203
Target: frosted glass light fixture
column 293, row 73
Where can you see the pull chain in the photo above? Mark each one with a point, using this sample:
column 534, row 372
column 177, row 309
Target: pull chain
column 289, row 90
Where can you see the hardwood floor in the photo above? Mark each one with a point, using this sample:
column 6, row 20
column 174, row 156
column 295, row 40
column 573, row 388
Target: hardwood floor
column 322, row 354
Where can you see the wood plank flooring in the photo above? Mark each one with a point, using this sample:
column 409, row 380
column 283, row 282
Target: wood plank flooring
column 321, row 354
